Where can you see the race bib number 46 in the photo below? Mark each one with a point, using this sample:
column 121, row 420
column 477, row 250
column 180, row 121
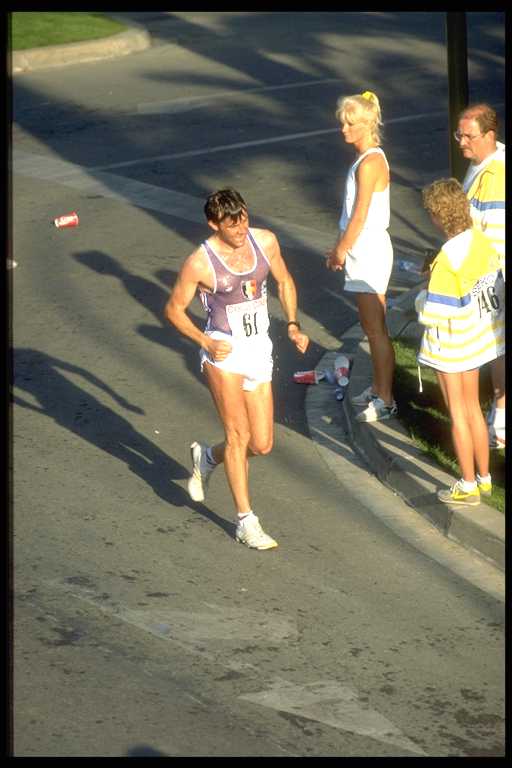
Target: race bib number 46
column 249, row 319
column 489, row 293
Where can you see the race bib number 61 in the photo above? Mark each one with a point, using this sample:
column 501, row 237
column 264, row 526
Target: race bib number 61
column 249, row 319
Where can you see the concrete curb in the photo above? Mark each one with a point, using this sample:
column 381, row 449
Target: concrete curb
column 129, row 41
column 391, row 455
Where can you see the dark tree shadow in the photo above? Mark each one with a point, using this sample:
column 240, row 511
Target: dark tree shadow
column 43, row 378
column 153, row 298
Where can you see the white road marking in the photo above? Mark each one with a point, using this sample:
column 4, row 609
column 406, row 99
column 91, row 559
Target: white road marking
column 199, row 633
column 203, row 632
column 329, row 702
column 213, row 150
column 172, row 106
column 98, row 181
column 217, row 623
column 246, row 144
column 151, row 197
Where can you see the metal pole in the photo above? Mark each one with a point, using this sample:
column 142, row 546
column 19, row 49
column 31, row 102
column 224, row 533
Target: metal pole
column 457, row 51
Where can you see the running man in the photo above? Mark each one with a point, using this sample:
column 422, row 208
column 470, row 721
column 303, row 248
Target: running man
column 230, row 272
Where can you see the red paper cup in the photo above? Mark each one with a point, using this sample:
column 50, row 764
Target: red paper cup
column 68, row 220
column 308, row 377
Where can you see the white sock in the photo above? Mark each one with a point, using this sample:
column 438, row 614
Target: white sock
column 468, row 486
column 242, row 515
column 485, row 479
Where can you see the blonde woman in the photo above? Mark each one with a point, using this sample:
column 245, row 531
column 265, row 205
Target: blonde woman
column 364, row 249
column 463, row 310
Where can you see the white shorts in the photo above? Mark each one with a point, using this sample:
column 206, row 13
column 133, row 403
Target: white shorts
column 250, row 359
column 369, row 263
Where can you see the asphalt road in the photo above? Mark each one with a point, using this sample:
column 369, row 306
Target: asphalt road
column 140, row 626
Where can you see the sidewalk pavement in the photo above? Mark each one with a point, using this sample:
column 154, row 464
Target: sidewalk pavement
column 134, row 39
column 389, row 452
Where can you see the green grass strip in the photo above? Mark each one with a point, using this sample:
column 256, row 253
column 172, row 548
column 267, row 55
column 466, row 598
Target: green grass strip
column 36, row 30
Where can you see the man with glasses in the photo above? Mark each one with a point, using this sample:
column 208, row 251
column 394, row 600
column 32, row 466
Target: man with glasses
column 484, row 185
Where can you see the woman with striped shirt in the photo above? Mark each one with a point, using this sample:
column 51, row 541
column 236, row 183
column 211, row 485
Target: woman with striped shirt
column 463, row 311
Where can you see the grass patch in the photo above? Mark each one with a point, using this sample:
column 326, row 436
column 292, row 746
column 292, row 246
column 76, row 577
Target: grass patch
column 35, row 30
column 425, row 417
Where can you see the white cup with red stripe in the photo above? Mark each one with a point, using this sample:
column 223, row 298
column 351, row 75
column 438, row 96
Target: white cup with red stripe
column 342, row 370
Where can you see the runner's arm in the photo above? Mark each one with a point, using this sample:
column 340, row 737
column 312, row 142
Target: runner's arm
column 286, row 290
column 193, row 273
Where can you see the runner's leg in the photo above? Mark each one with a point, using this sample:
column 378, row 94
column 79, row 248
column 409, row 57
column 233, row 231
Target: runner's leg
column 229, row 398
column 260, row 412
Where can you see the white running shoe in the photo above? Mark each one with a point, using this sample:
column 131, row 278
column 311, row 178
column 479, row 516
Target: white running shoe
column 201, row 471
column 377, row 410
column 364, row 398
column 250, row 533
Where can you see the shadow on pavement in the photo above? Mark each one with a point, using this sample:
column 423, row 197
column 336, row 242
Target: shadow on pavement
column 43, row 378
column 153, row 298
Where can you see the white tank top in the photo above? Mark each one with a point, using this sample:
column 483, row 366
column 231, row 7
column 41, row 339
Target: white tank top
column 378, row 211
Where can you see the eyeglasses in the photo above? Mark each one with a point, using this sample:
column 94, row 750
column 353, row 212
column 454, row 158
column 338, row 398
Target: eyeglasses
column 458, row 136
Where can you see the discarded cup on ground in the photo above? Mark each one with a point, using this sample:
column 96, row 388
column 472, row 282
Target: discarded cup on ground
column 342, row 370
column 68, row 220
column 308, row 377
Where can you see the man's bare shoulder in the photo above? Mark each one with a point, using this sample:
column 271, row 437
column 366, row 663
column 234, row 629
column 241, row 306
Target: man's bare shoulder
column 196, row 260
column 196, row 267
column 265, row 237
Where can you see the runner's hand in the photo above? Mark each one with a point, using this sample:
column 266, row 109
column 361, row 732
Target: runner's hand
column 301, row 340
column 218, row 350
column 335, row 259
